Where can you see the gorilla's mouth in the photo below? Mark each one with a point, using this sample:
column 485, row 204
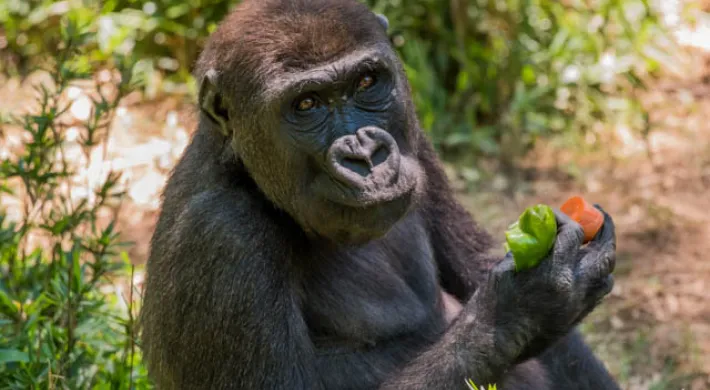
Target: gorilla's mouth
column 366, row 169
column 354, row 216
column 335, row 192
column 380, row 188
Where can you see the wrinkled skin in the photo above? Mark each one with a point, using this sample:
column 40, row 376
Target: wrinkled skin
column 309, row 239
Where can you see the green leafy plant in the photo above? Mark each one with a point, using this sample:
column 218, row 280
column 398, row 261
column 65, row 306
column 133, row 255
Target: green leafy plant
column 63, row 324
column 472, row 386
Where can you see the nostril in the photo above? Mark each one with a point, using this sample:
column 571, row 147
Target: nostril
column 357, row 165
column 379, row 156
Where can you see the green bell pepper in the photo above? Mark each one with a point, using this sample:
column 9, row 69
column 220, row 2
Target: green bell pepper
column 532, row 236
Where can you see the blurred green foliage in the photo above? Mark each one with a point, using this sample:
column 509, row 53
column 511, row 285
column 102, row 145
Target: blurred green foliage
column 490, row 77
column 63, row 322
column 493, row 76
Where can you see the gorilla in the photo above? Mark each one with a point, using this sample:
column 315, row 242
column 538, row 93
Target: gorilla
column 309, row 239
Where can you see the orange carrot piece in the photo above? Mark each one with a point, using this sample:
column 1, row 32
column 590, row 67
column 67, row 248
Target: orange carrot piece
column 584, row 213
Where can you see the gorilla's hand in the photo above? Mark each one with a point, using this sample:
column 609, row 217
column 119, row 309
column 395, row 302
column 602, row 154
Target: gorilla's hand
column 529, row 310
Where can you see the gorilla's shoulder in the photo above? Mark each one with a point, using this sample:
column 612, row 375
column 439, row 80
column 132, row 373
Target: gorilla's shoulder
column 214, row 214
column 231, row 207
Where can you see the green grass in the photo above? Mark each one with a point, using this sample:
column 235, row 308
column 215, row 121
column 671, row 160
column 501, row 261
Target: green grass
column 472, row 386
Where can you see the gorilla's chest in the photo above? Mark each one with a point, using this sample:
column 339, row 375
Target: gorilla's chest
column 374, row 292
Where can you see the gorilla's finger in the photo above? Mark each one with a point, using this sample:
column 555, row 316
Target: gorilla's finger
column 606, row 236
column 507, row 264
column 599, row 207
column 597, row 264
column 569, row 237
column 600, row 290
column 562, row 218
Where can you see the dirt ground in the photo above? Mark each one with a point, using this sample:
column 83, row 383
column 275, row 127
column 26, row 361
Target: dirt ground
column 653, row 331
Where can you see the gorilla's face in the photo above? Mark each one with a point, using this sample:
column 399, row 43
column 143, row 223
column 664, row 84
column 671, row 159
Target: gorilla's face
column 328, row 134
column 355, row 159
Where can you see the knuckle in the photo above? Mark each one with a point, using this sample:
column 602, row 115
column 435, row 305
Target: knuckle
column 602, row 290
column 561, row 217
column 571, row 235
column 602, row 270
column 600, row 262
column 563, row 282
column 577, row 231
column 607, row 257
column 602, row 266
column 611, row 261
column 565, row 256
column 503, row 267
column 597, row 271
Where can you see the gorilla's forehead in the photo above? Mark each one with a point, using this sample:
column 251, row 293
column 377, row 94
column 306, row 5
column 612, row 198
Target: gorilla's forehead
column 296, row 34
column 290, row 80
column 315, row 31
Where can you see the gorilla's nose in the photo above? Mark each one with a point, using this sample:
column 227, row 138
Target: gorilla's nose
column 369, row 155
column 363, row 151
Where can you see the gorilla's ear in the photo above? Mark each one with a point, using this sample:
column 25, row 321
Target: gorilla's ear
column 211, row 101
column 383, row 21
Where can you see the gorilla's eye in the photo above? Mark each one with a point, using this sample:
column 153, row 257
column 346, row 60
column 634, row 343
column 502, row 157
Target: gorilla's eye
column 365, row 82
column 306, row 104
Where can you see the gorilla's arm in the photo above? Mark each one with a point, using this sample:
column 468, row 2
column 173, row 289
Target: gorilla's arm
column 460, row 246
column 222, row 313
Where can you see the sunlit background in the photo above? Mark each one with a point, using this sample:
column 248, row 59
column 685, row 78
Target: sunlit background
column 527, row 101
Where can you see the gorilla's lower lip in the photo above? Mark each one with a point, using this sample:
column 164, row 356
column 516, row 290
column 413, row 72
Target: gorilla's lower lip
column 338, row 193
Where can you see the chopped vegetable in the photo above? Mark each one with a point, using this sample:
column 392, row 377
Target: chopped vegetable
column 584, row 214
column 532, row 236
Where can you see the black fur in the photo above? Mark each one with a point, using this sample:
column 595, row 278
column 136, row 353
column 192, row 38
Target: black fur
column 321, row 248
